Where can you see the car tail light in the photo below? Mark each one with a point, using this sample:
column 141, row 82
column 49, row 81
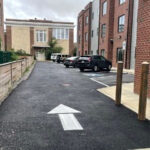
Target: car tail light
column 89, row 59
column 71, row 61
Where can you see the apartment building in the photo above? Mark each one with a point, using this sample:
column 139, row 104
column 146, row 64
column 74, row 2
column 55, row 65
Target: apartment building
column 143, row 42
column 95, row 27
column 33, row 35
column 84, row 30
column 2, row 44
column 123, row 19
column 106, row 28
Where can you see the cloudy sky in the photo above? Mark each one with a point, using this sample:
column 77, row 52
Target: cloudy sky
column 57, row 10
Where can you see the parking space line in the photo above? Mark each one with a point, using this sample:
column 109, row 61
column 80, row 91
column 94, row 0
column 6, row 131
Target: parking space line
column 99, row 82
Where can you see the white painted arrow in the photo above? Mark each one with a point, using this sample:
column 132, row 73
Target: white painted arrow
column 68, row 120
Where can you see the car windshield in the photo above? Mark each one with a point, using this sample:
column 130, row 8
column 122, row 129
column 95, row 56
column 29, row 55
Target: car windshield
column 72, row 58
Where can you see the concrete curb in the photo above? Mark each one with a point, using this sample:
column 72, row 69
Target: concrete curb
column 124, row 70
column 24, row 77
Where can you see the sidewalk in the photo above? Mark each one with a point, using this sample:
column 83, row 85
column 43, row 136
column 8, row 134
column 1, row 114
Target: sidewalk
column 124, row 70
column 129, row 99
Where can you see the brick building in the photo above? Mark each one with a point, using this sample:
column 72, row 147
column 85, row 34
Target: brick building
column 106, row 28
column 122, row 32
column 34, row 35
column 143, row 41
column 2, row 26
column 84, row 30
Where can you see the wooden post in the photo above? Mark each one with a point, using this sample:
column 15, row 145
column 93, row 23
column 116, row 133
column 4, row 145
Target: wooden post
column 119, row 83
column 143, row 91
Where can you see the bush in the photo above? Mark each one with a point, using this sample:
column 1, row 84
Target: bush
column 14, row 57
column 22, row 53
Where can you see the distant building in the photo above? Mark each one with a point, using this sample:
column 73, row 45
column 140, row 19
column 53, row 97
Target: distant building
column 95, row 27
column 2, row 26
column 143, row 42
column 34, row 35
column 84, row 30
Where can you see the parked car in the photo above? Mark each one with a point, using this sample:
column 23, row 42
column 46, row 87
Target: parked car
column 61, row 58
column 95, row 63
column 72, row 61
column 54, row 56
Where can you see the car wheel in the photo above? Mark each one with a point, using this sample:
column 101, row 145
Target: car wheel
column 81, row 70
column 109, row 68
column 74, row 66
column 67, row 66
column 95, row 69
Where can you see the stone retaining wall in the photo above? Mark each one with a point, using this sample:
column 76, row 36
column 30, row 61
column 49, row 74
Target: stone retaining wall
column 11, row 73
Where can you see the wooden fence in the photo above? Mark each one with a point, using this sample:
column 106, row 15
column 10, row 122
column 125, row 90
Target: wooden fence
column 10, row 73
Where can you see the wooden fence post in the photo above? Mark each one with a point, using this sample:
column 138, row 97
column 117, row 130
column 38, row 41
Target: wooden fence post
column 11, row 73
column 143, row 91
column 119, row 83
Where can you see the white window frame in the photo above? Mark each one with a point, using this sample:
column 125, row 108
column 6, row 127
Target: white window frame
column 61, row 33
column 122, row 1
column 40, row 35
column 105, row 8
column 86, row 20
column 86, row 36
column 121, row 23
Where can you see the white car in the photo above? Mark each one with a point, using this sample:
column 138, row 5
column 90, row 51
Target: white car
column 54, row 56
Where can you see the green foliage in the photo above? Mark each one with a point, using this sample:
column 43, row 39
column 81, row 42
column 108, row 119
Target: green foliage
column 52, row 48
column 27, row 69
column 14, row 56
column 22, row 53
column 75, row 51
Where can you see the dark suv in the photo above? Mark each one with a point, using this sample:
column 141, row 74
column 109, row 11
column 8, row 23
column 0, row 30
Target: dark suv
column 95, row 62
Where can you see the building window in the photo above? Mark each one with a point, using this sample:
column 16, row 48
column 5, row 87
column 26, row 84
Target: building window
column 120, row 54
column 86, row 20
column 41, row 36
column 103, row 52
column 97, row 31
column 103, row 30
column 61, row 34
column 92, row 15
column 122, row 1
column 79, row 25
column 86, row 36
column 92, row 33
column 79, row 39
column 121, row 23
column 91, row 52
column 104, row 8
column 86, row 53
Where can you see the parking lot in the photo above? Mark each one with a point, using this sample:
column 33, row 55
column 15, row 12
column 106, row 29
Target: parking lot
column 104, row 78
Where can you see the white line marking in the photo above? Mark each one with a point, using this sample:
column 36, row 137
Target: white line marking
column 69, row 122
column 63, row 109
column 99, row 82
column 141, row 149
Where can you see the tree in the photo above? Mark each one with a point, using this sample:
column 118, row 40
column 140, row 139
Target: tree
column 52, row 48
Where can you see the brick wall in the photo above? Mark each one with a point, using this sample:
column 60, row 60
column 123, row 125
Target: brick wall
column 10, row 73
column 143, row 42
column 8, row 38
column 84, row 46
column 80, row 33
column 120, row 10
column 108, row 19
column 71, row 42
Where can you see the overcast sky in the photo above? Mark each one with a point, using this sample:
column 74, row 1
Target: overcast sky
column 56, row 10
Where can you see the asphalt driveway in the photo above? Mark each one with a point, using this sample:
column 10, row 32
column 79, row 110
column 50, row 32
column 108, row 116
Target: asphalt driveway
column 25, row 124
